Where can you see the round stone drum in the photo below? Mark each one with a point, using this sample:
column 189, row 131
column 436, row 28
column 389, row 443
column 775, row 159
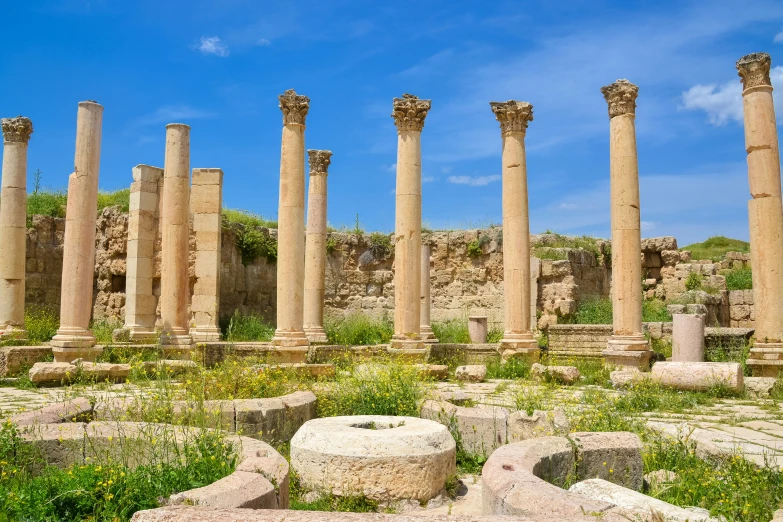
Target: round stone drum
column 381, row 457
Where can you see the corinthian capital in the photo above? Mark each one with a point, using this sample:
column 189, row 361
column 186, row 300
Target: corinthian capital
column 294, row 107
column 621, row 97
column 513, row 115
column 16, row 129
column 319, row 161
column 754, row 70
column 409, row 112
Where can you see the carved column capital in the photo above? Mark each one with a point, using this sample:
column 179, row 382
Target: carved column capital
column 621, row 97
column 753, row 70
column 16, row 129
column 409, row 112
column 513, row 115
column 294, row 107
column 319, row 161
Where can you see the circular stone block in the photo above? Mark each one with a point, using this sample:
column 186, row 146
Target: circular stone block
column 384, row 458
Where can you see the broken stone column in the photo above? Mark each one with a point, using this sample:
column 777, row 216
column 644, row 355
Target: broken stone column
column 290, row 228
column 426, row 299
column 175, row 216
column 409, row 113
column 518, row 340
column 627, row 345
column 688, row 338
column 140, row 303
column 765, row 213
column 206, row 204
column 13, row 226
column 315, row 249
column 74, row 340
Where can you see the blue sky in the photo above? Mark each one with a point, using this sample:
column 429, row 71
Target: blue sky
column 219, row 66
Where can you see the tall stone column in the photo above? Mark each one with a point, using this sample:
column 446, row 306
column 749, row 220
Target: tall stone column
column 74, row 339
column 13, row 226
column 175, row 216
column 518, row 341
column 290, row 228
column 765, row 213
column 426, row 298
column 409, row 113
column 627, row 346
column 315, row 249
column 140, row 303
column 206, row 203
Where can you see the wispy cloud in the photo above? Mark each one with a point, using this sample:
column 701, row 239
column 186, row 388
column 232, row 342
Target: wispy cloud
column 474, row 181
column 212, row 45
column 170, row 114
column 428, row 179
column 391, row 168
column 568, row 206
column 778, row 37
column 264, row 42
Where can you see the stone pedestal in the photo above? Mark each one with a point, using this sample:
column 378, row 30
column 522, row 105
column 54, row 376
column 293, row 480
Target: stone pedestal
column 426, row 300
column 688, row 338
column 175, row 216
column 315, row 249
column 74, row 339
column 518, row 340
column 409, row 113
column 206, row 205
column 477, row 329
column 13, row 226
column 627, row 346
column 290, row 232
column 140, row 303
column 765, row 214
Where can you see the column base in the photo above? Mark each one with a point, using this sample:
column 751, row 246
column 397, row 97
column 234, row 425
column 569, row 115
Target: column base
column 406, row 342
column 638, row 359
column 70, row 354
column 316, row 335
column 142, row 335
column 176, row 337
column 290, row 339
column 73, row 337
column 206, row 334
column 766, row 359
column 618, row 343
column 519, row 345
column 427, row 335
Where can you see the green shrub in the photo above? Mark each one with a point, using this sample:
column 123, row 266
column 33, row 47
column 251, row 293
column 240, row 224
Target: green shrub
column 248, row 328
column 739, row 279
column 118, row 198
column 451, row 331
column 592, row 310
column 47, row 203
column 380, row 245
column 693, row 281
column 553, row 254
column 331, row 244
column 254, row 243
column 248, row 219
column 358, row 329
column 474, row 249
column 655, row 311
column 716, row 247
column 103, row 328
column 511, row 369
column 41, row 323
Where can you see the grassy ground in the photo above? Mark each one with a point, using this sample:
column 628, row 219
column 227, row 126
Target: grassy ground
column 716, row 247
column 598, row 310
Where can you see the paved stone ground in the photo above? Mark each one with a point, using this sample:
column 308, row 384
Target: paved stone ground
column 14, row 400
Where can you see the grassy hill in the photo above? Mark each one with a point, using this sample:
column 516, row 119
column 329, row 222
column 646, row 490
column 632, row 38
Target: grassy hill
column 716, row 247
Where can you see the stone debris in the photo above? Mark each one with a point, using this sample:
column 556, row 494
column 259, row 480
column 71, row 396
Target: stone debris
column 61, row 372
column 561, row 374
column 471, row 373
column 522, row 426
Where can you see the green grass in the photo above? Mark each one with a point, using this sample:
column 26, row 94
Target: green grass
column 715, row 248
column 118, row 198
column 511, row 369
column 247, row 328
column 249, row 219
column 451, row 331
column 41, row 323
column 358, row 329
column 589, row 243
column 598, row 310
column 102, row 329
column 47, row 203
column 654, row 311
column 739, row 279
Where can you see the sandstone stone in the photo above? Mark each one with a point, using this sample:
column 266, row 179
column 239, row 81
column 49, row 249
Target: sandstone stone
column 688, row 338
column 563, row 374
column 659, row 244
column 238, row 490
column 698, row 376
column 522, row 426
column 471, row 373
column 481, row 429
column 433, row 371
column 759, row 387
column 614, row 456
column 51, row 372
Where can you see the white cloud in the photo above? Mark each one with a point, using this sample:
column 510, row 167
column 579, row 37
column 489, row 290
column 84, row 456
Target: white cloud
column 212, row 45
column 778, row 37
column 568, row 206
column 474, row 181
column 647, row 226
column 264, row 42
column 392, row 167
column 170, row 114
column 428, row 179
column 723, row 103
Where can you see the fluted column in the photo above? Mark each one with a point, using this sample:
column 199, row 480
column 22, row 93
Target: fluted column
column 765, row 213
column 175, row 216
column 409, row 113
column 13, row 226
column 518, row 341
column 315, row 249
column 627, row 346
column 74, row 339
column 426, row 297
column 290, row 225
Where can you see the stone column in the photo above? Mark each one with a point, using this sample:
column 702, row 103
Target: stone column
column 175, row 216
column 74, row 339
column 290, row 228
column 13, row 226
column 426, row 299
column 409, row 113
column 627, row 345
column 518, row 341
column 206, row 203
column 315, row 249
column 765, row 213
column 140, row 303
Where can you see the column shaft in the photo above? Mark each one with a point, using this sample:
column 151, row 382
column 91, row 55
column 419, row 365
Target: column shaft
column 176, row 234
column 13, row 226
column 290, row 225
column 315, row 249
column 206, row 199
column 74, row 339
column 426, row 297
